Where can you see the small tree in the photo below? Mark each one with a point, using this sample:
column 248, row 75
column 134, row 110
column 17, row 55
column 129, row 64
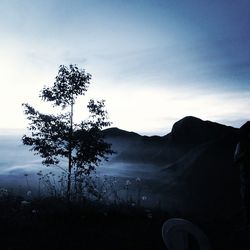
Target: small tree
column 54, row 137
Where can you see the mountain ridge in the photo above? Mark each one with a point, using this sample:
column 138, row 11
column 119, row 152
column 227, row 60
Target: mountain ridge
column 194, row 163
column 185, row 122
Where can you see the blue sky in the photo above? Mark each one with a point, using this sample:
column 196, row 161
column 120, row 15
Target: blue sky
column 153, row 61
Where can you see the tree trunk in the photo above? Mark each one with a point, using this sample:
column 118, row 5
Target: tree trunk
column 70, row 153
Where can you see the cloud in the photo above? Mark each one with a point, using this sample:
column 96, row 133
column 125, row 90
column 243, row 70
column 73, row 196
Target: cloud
column 154, row 62
column 150, row 110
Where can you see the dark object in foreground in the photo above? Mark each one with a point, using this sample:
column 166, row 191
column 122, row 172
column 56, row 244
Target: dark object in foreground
column 242, row 159
column 177, row 233
column 57, row 224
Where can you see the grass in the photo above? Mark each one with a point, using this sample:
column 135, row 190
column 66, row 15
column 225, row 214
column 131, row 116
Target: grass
column 57, row 224
column 54, row 223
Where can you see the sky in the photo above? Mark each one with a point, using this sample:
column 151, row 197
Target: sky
column 153, row 61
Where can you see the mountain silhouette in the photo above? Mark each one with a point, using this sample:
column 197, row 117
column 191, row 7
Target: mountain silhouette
column 191, row 130
column 186, row 134
column 194, row 162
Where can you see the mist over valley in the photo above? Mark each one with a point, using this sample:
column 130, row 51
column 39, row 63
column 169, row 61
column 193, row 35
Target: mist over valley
column 190, row 169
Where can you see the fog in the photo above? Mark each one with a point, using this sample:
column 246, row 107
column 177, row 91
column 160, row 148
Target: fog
column 16, row 159
column 186, row 185
column 18, row 164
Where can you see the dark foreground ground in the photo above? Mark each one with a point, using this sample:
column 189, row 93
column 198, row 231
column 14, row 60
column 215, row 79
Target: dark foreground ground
column 56, row 224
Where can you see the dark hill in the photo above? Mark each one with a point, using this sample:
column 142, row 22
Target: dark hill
column 132, row 147
column 186, row 134
column 191, row 130
column 194, row 162
column 116, row 132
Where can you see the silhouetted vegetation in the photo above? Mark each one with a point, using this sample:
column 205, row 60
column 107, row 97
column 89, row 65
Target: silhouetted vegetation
column 76, row 209
column 54, row 137
column 54, row 223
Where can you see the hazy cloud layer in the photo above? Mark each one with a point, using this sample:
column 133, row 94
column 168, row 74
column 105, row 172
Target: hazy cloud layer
column 154, row 61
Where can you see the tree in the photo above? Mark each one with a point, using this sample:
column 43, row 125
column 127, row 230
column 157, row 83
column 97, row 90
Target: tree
column 55, row 137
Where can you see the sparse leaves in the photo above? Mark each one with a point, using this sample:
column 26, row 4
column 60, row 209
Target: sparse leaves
column 69, row 83
column 54, row 137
